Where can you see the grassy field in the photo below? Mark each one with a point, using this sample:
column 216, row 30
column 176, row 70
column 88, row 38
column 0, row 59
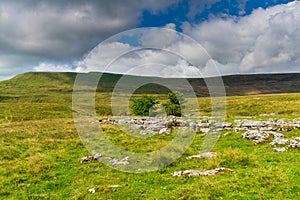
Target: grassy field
column 40, row 152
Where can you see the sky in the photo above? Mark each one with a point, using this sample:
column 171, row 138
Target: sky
column 238, row 36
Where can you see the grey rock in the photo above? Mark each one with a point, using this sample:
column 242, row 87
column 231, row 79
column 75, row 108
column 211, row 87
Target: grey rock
column 89, row 158
column 295, row 144
column 202, row 173
column 203, row 155
column 282, row 149
column 204, row 130
column 267, row 115
column 124, row 161
column 97, row 156
column 164, row 130
column 256, row 136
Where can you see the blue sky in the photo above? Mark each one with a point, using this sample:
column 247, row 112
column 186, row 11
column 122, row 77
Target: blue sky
column 179, row 13
column 241, row 36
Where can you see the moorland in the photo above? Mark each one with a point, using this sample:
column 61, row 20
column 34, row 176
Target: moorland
column 40, row 149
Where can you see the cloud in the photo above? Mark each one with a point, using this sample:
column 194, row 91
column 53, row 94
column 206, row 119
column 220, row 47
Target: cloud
column 196, row 7
column 160, row 52
column 50, row 67
column 268, row 40
column 63, row 31
column 67, row 28
column 55, row 35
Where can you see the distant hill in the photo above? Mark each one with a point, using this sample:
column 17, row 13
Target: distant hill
column 235, row 85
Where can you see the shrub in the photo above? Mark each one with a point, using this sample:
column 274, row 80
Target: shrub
column 142, row 106
column 176, row 98
column 173, row 107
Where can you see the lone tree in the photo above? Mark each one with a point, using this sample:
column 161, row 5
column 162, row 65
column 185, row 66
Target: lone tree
column 142, row 106
column 173, row 107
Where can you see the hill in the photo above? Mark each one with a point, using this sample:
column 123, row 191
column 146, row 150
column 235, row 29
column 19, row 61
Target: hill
column 235, row 85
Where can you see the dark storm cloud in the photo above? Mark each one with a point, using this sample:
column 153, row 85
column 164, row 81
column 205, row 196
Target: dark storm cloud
column 40, row 30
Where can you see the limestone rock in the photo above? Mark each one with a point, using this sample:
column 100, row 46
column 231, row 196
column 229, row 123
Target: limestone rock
column 282, row 149
column 256, row 136
column 279, row 141
column 295, row 144
column 202, row 173
column 203, row 155
column 89, row 158
column 124, row 161
column 92, row 190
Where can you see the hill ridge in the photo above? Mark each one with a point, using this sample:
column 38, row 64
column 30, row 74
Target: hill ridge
column 235, row 85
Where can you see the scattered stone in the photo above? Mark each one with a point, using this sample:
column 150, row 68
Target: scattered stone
column 282, row 149
column 86, row 159
column 223, row 125
column 279, row 141
column 145, row 125
column 270, row 125
column 165, row 130
column 255, row 130
column 225, row 134
column 203, row 155
column 267, row 115
column 92, row 190
column 236, row 130
column 259, row 136
column 97, row 156
column 179, row 173
column 124, row 161
column 114, row 161
column 103, row 188
column 204, row 130
column 295, row 144
column 89, row 158
column 256, row 136
column 250, row 123
column 202, row 173
column 154, row 125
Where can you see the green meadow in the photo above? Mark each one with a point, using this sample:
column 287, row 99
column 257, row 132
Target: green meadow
column 40, row 150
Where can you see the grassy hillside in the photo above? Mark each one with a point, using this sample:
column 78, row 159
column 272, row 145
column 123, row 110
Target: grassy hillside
column 235, row 85
column 40, row 149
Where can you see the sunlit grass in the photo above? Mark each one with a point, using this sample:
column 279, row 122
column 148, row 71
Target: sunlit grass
column 40, row 152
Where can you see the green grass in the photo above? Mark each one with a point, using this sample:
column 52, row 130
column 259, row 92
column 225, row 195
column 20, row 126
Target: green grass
column 40, row 152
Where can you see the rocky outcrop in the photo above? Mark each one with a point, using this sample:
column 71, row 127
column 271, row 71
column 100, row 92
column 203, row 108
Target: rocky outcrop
column 202, row 173
column 152, row 125
column 259, row 136
column 270, row 125
column 145, row 125
column 254, row 130
column 256, row 136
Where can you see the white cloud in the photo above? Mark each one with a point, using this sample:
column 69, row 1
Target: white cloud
column 60, row 31
column 268, row 40
column 35, row 34
column 49, row 67
column 170, row 53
